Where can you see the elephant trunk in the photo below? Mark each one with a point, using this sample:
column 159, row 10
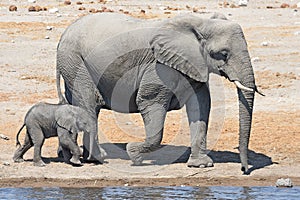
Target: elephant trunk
column 246, row 98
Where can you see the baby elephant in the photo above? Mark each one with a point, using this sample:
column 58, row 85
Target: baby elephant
column 45, row 120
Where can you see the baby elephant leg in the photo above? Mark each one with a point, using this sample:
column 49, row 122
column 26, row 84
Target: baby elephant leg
column 18, row 156
column 71, row 150
column 38, row 139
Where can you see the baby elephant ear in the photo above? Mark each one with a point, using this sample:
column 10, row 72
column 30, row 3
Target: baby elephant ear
column 181, row 50
column 66, row 118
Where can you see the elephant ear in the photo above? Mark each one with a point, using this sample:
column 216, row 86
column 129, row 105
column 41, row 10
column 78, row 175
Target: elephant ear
column 65, row 117
column 181, row 49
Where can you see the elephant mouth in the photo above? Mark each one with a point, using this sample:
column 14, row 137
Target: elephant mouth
column 239, row 85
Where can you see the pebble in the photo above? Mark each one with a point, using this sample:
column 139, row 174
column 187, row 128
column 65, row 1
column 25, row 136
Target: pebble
column 265, row 44
column 67, row 2
column 6, row 163
column 4, row 137
column 284, row 182
column 47, row 37
column 53, row 10
column 31, row 1
column 243, row 2
column 255, row 59
column 12, row 8
column 49, row 28
column 284, row 5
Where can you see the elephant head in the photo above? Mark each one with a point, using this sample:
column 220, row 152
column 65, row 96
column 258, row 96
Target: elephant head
column 196, row 47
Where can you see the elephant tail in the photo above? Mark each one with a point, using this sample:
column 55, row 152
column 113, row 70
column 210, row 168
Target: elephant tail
column 62, row 99
column 17, row 137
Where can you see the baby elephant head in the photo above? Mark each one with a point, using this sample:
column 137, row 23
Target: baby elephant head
column 76, row 119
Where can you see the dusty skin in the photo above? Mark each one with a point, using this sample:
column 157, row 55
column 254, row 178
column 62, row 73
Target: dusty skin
column 27, row 71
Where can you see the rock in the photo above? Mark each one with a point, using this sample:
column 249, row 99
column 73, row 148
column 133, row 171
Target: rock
column 284, row 182
column 81, row 8
column 47, row 37
column 49, row 28
column 255, row 59
column 93, row 10
column 195, row 9
column 12, row 8
column 35, row 9
column 31, row 1
column 6, row 163
column 4, row 137
column 31, row 9
column 233, row 6
column 79, row 3
column 143, row 12
column 67, row 2
column 243, row 2
column 284, row 5
column 53, row 10
column 265, row 44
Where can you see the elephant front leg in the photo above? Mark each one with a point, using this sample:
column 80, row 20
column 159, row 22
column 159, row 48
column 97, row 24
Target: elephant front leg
column 198, row 108
column 154, row 117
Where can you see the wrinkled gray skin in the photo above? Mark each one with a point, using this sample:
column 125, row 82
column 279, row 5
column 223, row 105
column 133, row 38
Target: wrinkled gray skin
column 45, row 120
column 115, row 62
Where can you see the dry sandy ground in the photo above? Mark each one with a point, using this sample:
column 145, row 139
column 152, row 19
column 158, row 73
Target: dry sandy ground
column 27, row 71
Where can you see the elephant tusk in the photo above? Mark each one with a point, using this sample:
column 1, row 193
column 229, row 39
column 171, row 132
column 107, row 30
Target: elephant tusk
column 242, row 87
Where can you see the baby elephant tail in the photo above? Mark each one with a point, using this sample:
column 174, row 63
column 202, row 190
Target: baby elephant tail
column 17, row 137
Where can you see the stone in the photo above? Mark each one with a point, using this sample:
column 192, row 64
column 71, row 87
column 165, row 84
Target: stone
column 265, row 44
column 67, row 2
column 12, row 8
column 284, row 182
column 255, row 59
column 53, row 10
column 243, row 2
column 49, row 28
column 284, row 5
column 4, row 137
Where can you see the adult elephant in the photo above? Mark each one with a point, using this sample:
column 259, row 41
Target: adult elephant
column 129, row 65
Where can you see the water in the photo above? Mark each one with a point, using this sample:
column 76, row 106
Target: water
column 217, row 192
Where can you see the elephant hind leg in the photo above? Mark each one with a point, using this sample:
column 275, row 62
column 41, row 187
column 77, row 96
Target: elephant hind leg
column 18, row 155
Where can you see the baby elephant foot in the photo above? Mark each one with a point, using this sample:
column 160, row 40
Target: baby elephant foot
column 39, row 163
column 201, row 161
column 134, row 153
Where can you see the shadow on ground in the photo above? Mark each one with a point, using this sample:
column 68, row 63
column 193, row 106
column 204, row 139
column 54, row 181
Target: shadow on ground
column 169, row 154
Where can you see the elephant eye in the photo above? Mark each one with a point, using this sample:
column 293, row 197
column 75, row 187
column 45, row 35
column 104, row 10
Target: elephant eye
column 220, row 55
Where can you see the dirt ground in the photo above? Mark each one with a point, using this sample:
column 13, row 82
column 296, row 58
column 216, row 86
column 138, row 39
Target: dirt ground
column 27, row 70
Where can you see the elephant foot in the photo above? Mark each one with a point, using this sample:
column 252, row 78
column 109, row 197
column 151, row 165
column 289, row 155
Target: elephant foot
column 75, row 161
column 133, row 151
column 201, row 161
column 39, row 163
column 18, row 159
